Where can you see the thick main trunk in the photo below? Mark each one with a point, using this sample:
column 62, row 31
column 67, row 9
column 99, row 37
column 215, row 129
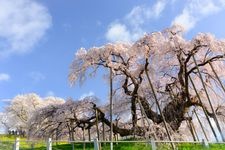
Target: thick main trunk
column 133, row 112
column 174, row 112
column 122, row 131
column 125, row 132
column 149, row 112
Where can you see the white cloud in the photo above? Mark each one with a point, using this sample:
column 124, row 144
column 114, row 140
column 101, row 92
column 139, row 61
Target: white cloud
column 36, row 76
column 206, row 8
column 118, row 32
column 90, row 93
column 186, row 20
column 196, row 10
column 22, row 24
column 130, row 27
column 4, row 77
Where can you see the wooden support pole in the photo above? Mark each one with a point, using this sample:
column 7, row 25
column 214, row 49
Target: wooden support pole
column 103, row 131
column 220, row 82
column 193, row 127
column 84, row 145
column 143, row 112
column 204, row 110
column 203, row 130
column 89, row 134
column 159, row 108
column 111, row 110
column 191, row 130
column 208, row 98
column 143, row 121
column 96, row 113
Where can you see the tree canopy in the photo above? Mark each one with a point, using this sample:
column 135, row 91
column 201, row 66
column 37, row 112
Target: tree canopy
column 171, row 62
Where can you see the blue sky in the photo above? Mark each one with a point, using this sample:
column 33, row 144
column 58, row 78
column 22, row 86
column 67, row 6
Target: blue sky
column 38, row 38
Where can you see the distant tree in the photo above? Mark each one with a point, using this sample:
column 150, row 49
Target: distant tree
column 60, row 120
column 169, row 61
column 6, row 121
column 22, row 108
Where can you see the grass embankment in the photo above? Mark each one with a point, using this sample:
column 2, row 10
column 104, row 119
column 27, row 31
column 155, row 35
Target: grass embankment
column 7, row 141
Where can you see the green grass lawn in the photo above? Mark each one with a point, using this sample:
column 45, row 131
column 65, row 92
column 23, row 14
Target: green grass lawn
column 6, row 143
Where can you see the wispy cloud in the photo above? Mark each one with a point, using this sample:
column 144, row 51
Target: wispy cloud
column 130, row 27
column 98, row 23
column 66, row 26
column 4, row 77
column 22, row 24
column 140, row 14
column 196, row 10
column 90, row 93
column 36, row 76
column 5, row 100
column 50, row 93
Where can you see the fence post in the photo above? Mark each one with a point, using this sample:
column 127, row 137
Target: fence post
column 32, row 146
column 205, row 143
column 16, row 144
column 72, row 145
column 96, row 146
column 153, row 144
column 49, row 144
